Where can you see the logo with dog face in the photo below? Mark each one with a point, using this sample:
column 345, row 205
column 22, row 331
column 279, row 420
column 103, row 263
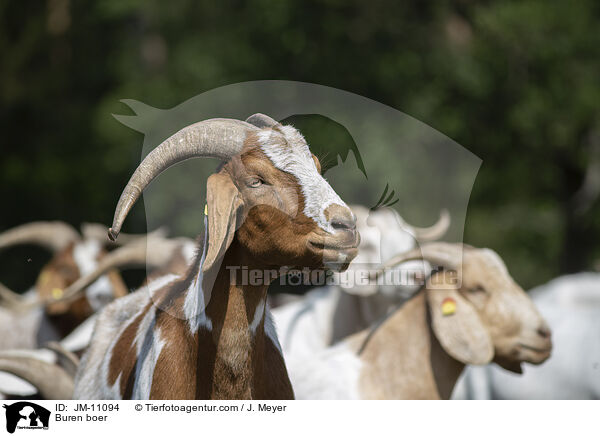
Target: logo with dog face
column 26, row 415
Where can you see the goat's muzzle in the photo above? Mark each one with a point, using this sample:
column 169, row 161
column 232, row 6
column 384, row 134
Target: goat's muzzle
column 336, row 250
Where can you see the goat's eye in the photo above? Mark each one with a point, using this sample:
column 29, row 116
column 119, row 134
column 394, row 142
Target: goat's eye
column 255, row 182
column 476, row 289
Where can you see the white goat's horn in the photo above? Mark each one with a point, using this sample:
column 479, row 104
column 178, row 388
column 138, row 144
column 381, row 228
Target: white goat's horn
column 261, row 121
column 436, row 231
column 54, row 235
column 219, row 137
column 438, row 253
column 52, row 381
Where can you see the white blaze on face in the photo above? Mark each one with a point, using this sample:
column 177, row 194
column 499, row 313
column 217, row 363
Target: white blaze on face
column 288, row 151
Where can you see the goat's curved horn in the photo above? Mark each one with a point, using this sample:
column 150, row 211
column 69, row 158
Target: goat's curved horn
column 261, row 121
column 98, row 232
column 219, row 137
column 54, row 235
column 436, row 231
column 52, row 381
column 8, row 297
column 438, row 253
column 159, row 252
column 65, row 359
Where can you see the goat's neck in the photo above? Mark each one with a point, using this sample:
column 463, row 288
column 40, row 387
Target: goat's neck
column 353, row 313
column 228, row 327
column 404, row 359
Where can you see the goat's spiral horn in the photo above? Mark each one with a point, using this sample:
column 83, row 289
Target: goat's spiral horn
column 221, row 138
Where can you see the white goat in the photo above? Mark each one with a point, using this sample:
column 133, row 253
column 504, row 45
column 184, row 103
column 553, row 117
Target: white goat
column 571, row 305
column 419, row 351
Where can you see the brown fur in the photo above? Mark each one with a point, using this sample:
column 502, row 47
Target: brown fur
column 125, row 356
column 228, row 362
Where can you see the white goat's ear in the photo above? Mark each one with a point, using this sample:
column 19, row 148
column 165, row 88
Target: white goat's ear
column 224, row 202
column 458, row 327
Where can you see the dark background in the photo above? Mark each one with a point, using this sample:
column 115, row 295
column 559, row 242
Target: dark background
column 515, row 82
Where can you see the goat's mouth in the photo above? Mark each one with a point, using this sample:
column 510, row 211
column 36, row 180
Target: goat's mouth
column 316, row 245
column 534, row 353
column 336, row 252
column 546, row 349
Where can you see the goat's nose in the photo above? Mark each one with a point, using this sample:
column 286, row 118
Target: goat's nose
column 341, row 218
column 544, row 331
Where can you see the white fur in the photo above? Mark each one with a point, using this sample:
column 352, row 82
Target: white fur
column 329, row 375
column 289, row 152
column 194, row 306
column 85, row 254
column 11, row 385
column 149, row 345
column 159, row 283
column 80, row 338
column 189, row 251
column 30, row 329
column 271, row 331
column 258, row 316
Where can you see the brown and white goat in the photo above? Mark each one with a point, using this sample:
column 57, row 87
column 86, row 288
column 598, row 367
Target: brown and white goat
column 420, row 350
column 209, row 334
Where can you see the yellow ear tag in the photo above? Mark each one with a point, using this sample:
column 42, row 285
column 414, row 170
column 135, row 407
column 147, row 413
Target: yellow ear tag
column 206, row 209
column 57, row 293
column 448, row 307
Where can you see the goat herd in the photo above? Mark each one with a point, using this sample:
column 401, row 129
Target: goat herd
column 197, row 328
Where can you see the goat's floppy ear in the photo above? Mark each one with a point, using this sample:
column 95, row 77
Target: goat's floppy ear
column 224, row 202
column 458, row 327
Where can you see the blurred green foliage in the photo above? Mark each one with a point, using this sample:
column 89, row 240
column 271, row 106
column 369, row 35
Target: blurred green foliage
column 515, row 82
